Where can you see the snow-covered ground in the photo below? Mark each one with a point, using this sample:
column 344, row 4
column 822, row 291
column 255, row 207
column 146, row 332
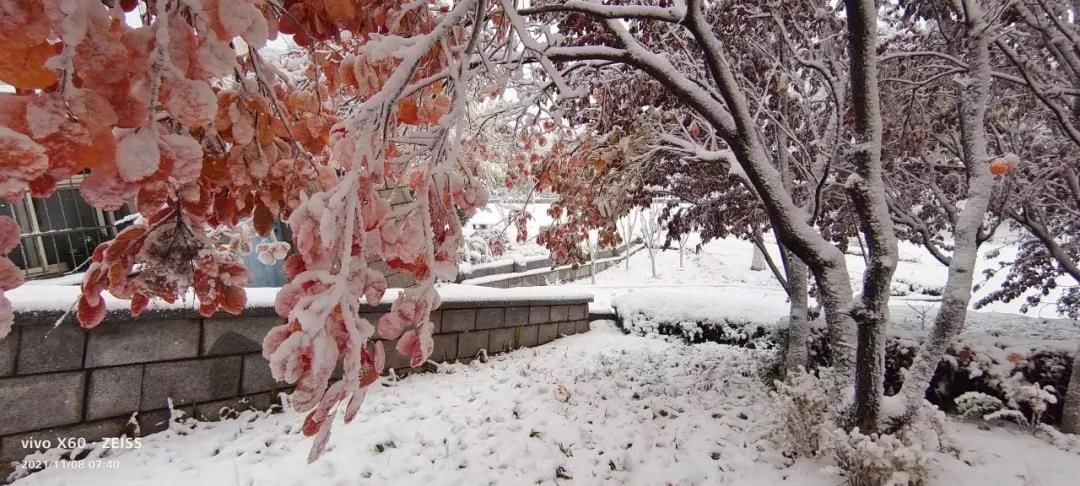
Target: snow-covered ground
column 596, row 408
column 717, row 283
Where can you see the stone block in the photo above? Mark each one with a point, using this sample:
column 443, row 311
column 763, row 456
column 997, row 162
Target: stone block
column 490, row 317
column 546, row 333
column 582, row 326
column 436, row 318
column 526, row 336
column 129, row 342
column 9, row 349
column 499, row 284
column 236, row 335
column 470, row 343
column 46, row 348
column 11, row 447
column 192, row 381
column 559, row 313
column 567, row 328
column 394, row 359
column 501, row 340
column 256, row 377
column 578, row 312
column 457, row 320
column 517, row 316
column 157, row 420
column 445, row 348
column 114, row 391
column 230, row 407
column 40, row 401
column 539, row 314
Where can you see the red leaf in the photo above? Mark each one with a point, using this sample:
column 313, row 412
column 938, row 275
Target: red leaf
column 90, row 315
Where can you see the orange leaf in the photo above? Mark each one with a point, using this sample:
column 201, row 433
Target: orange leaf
column 407, row 112
column 24, row 67
column 263, row 220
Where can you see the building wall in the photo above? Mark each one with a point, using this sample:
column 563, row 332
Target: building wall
column 64, row 381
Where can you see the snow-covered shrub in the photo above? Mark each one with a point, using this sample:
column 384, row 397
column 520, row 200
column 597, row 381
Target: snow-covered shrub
column 496, row 240
column 1027, row 403
column 977, row 404
column 802, row 413
column 902, row 457
column 723, row 331
column 879, row 459
column 474, row 250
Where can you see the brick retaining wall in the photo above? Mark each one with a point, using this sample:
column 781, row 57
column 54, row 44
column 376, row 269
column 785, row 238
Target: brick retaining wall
column 68, row 382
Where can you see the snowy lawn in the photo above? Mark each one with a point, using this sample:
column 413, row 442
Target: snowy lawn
column 595, row 408
column 717, row 283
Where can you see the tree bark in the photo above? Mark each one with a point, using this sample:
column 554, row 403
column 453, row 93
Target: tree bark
column 1070, row 412
column 974, row 98
column 798, row 323
column 871, row 207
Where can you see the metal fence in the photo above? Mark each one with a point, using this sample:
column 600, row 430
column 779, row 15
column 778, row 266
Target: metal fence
column 60, row 232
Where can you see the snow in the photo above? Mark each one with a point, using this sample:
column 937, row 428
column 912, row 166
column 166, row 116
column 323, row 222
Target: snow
column 600, row 407
column 717, row 283
column 38, row 298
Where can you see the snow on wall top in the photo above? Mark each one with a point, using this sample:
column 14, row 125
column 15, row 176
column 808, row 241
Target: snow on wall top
column 55, row 299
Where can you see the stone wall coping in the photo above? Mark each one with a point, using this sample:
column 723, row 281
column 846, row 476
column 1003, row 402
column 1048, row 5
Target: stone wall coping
column 499, row 277
column 261, row 302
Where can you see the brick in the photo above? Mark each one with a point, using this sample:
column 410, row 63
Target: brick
column 157, row 420
column 559, row 313
column 127, row 342
column 470, row 343
column 546, row 333
column 9, row 348
column 11, row 447
column 517, row 316
column 567, row 328
column 394, row 359
column 40, row 401
column 46, row 348
column 501, row 340
column 436, row 318
column 445, row 348
column 458, row 320
column 539, row 314
column 186, row 382
column 212, row 411
column 256, row 377
column 578, row 312
column 236, row 335
column 526, row 336
column 373, row 318
column 490, row 317
column 114, row 391
column 582, row 325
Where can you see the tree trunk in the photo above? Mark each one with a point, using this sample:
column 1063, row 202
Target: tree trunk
column 798, row 323
column 758, row 263
column 682, row 251
column 950, row 318
column 1070, row 412
column 868, row 194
